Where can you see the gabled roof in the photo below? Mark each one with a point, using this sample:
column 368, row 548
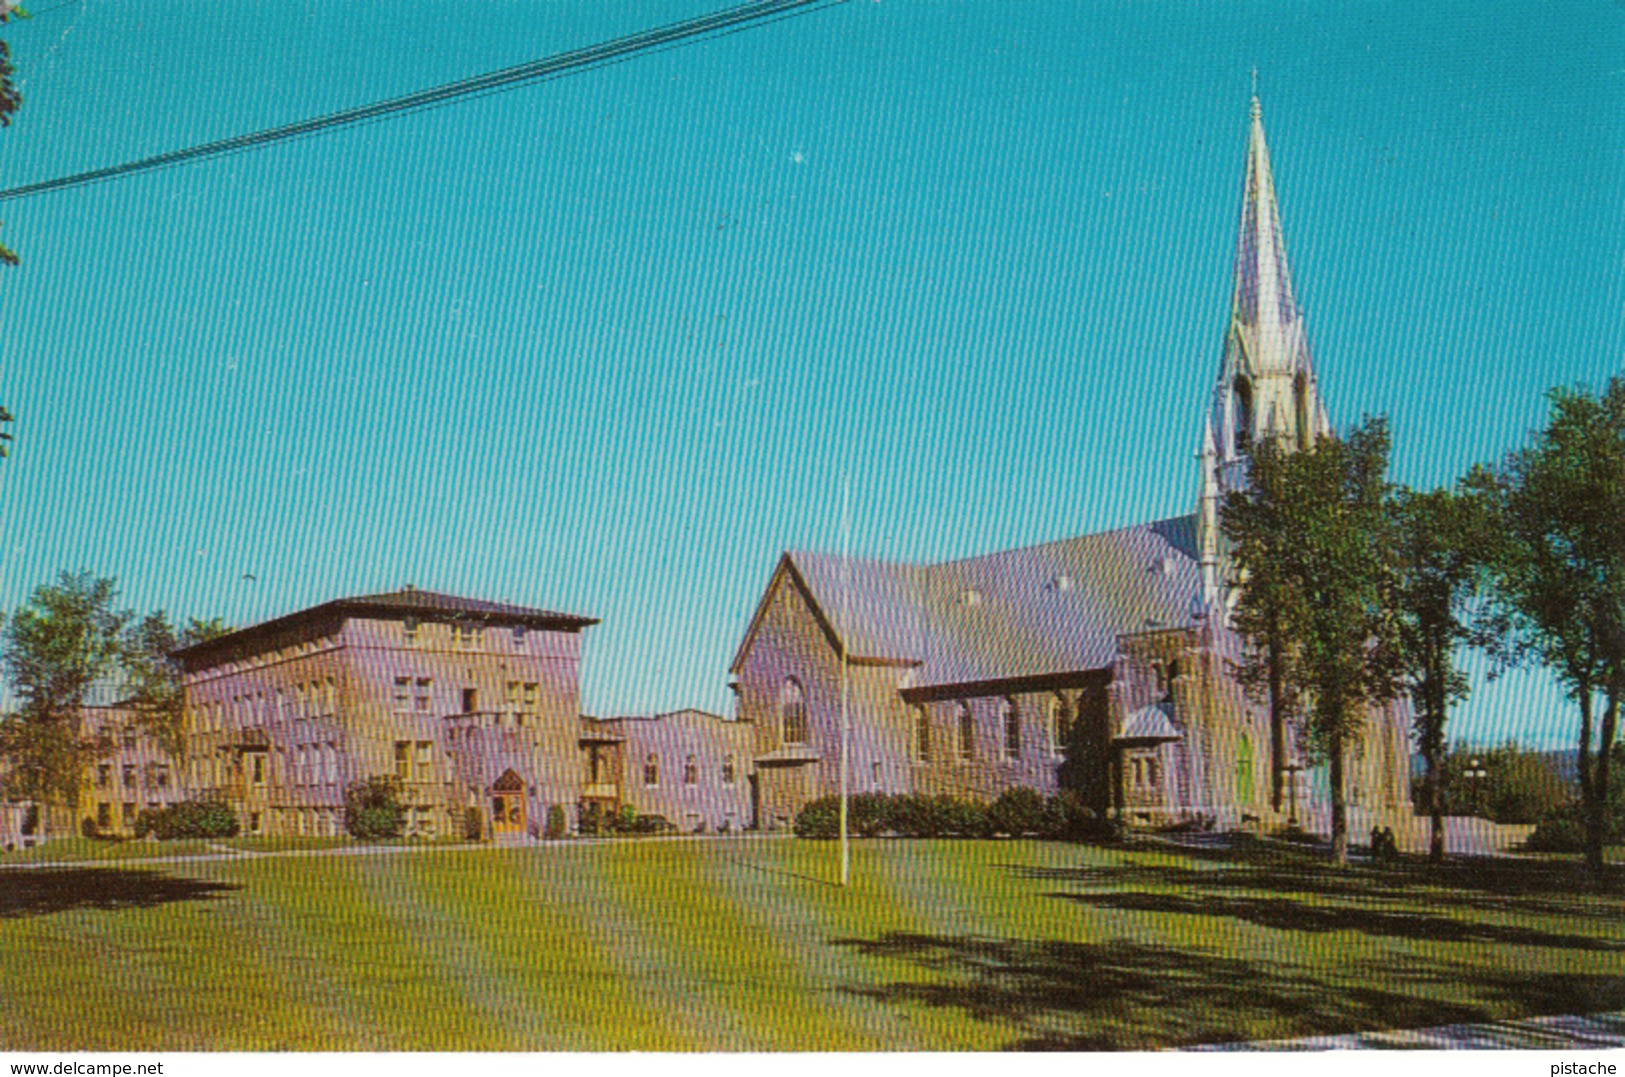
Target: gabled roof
column 1041, row 610
column 390, row 605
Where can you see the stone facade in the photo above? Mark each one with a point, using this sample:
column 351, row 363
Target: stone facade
column 473, row 706
column 690, row 767
column 1103, row 662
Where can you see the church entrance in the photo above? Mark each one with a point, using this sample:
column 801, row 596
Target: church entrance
column 508, row 805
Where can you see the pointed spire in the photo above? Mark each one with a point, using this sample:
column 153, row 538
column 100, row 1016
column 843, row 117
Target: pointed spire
column 1262, row 301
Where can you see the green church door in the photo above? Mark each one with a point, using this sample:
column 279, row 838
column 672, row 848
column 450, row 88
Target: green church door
column 1244, row 772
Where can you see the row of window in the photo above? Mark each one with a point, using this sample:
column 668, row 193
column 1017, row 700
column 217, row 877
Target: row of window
column 466, row 636
column 793, row 726
column 312, row 699
column 728, row 772
column 130, row 776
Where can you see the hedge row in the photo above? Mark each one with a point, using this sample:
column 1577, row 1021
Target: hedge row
column 1016, row 813
column 188, row 819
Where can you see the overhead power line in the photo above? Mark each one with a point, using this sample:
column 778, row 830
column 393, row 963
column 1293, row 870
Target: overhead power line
column 718, row 24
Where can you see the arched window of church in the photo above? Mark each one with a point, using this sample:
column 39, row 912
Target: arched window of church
column 1012, row 729
column 1242, row 393
column 922, row 735
column 967, row 734
column 651, row 770
column 1300, row 403
column 792, row 713
column 1058, row 726
column 691, row 771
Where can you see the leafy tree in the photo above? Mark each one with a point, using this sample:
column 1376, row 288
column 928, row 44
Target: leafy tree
column 154, row 676
column 1441, row 545
column 65, row 641
column 1270, row 612
column 10, row 101
column 373, row 809
column 1313, row 551
column 1558, row 573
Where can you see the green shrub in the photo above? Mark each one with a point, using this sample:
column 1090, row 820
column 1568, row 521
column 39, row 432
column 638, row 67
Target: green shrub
column 869, row 815
column 88, row 828
column 373, row 810
column 473, row 824
column 1017, row 812
column 961, row 818
column 188, row 819
column 557, row 824
column 647, row 824
column 819, row 819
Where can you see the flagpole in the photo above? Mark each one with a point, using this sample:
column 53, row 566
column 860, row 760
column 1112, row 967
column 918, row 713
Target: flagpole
column 846, row 561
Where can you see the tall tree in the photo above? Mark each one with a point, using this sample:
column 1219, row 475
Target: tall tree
column 1442, row 542
column 1558, row 576
column 1270, row 612
column 153, row 676
column 1321, row 516
column 56, row 650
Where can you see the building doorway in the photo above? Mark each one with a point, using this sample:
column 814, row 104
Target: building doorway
column 508, row 811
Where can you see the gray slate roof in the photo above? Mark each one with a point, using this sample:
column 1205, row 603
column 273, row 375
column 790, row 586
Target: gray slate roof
column 1055, row 608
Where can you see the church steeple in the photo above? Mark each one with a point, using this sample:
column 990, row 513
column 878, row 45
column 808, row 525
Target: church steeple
column 1266, row 386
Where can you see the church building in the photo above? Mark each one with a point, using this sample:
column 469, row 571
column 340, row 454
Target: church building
column 1103, row 662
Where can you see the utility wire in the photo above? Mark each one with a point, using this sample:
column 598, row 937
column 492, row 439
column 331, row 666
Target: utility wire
column 717, row 24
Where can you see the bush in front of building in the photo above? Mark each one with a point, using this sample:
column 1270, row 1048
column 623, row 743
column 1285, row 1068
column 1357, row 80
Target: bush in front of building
column 373, row 809
column 961, row 818
column 819, row 819
column 557, row 823
column 473, row 824
column 188, row 819
column 1018, row 812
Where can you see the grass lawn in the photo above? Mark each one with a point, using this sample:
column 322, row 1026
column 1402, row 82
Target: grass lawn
column 92, row 849
column 745, row 945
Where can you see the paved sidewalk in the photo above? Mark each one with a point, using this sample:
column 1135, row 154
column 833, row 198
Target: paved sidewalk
column 1563, row 1032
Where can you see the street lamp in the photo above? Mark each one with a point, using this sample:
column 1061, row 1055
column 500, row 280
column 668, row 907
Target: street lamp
column 1292, row 768
column 1475, row 775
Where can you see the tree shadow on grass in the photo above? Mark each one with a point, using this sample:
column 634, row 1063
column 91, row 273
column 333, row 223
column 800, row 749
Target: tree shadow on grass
column 1496, row 886
column 1123, row 995
column 46, row 891
column 1291, row 915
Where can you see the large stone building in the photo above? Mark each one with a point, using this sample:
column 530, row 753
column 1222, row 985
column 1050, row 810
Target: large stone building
column 474, row 706
column 1105, row 658
column 470, row 704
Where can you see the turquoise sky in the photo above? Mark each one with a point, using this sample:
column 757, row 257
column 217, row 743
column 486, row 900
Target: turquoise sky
column 609, row 344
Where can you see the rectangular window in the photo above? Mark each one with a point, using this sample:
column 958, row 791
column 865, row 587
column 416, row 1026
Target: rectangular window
column 258, row 769
column 104, row 815
column 403, row 693
column 160, row 776
column 421, row 699
column 410, row 625
column 128, row 814
column 254, row 822
column 922, row 735
column 518, row 635
column 129, row 736
column 530, row 695
column 104, row 776
column 425, row 758
column 129, row 776
column 403, row 760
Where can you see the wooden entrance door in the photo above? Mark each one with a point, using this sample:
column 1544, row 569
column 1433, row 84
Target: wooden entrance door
column 508, row 811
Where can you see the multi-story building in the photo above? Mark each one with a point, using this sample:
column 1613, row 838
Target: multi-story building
column 132, row 773
column 472, row 705
column 690, row 767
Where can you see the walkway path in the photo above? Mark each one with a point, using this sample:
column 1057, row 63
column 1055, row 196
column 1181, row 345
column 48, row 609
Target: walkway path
column 1563, row 1032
